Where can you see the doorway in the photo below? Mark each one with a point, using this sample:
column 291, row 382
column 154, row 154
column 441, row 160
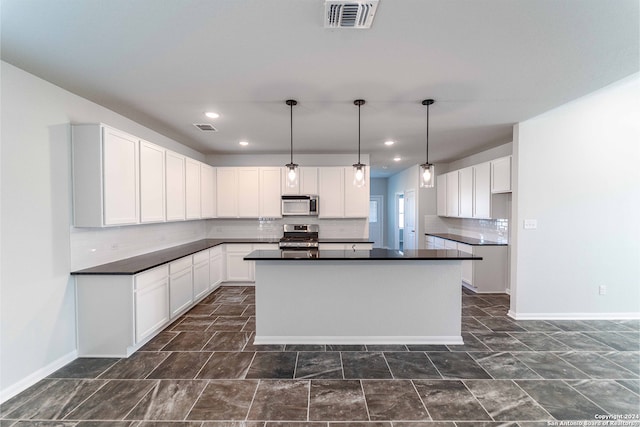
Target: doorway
column 399, row 221
column 376, row 220
column 409, row 220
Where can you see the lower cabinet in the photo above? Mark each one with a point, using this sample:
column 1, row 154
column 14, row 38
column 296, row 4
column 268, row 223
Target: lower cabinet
column 217, row 272
column 201, row 273
column 180, row 285
column 151, row 306
column 239, row 270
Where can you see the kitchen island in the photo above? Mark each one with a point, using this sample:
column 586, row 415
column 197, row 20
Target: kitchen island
column 376, row 296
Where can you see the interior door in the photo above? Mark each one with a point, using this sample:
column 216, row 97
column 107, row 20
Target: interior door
column 410, row 219
column 376, row 220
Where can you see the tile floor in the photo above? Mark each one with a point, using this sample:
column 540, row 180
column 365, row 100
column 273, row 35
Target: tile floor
column 204, row 371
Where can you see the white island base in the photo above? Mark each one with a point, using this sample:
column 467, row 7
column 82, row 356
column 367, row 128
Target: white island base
column 358, row 302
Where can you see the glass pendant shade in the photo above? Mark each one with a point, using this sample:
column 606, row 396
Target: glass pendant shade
column 427, row 175
column 292, row 175
column 359, row 174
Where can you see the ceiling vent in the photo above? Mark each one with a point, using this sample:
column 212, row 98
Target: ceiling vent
column 205, row 127
column 349, row 14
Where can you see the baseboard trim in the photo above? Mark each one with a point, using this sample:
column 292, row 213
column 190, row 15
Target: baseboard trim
column 346, row 340
column 572, row 316
column 16, row 388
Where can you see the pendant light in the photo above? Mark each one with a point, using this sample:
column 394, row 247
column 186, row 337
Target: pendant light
column 292, row 168
column 359, row 169
column 427, row 177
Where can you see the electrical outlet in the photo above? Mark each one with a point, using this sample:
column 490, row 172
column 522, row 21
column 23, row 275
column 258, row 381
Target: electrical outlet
column 530, row 224
column 602, row 290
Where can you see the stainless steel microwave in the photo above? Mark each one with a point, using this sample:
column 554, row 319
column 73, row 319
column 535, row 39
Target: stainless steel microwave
column 304, row 205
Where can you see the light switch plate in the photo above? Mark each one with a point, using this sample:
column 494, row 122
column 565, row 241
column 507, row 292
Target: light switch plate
column 530, row 224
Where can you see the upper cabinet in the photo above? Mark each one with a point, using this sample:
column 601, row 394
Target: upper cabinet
column 105, row 176
column 192, row 192
column 207, row 191
column 338, row 197
column 501, row 175
column 248, row 192
column 175, row 186
column 307, row 181
column 152, row 182
column 471, row 192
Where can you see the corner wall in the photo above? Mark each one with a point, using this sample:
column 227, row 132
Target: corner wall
column 576, row 173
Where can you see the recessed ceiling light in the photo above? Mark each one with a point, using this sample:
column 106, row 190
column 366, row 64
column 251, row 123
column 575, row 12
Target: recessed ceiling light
column 243, row 143
column 212, row 115
column 389, row 142
column 397, row 159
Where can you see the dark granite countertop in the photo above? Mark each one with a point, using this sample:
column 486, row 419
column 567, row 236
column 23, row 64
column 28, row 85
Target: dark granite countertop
column 466, row 240
column 363, row 255
column 140, row 263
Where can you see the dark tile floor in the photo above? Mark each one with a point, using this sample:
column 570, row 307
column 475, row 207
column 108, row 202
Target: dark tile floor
column 204, row 371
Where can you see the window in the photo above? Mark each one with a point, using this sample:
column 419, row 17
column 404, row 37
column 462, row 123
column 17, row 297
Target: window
column 373, row 211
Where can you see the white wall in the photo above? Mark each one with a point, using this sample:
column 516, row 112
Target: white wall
column 37, row 332
column 577, row 173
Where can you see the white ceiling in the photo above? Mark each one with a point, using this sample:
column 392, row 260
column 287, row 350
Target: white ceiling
column 487, row 63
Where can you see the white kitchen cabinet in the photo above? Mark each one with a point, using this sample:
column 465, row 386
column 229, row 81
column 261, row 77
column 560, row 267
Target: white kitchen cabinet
column 180, row 285
column 192, row 188
column 467, row 266
column 217, row 272
column 200, row 275
column 453, row 193
column 450, row 244
column 227, row 192
column 482, row 190
column 248, row 193
column 441, row 195
column 238, row 192
column 356, row 199
column 239, row 270
column 331, row 192
column 175, row 186
column 270, row 193
column 207, row 191
column 152, row 182
column 105, row 176
column 151, row 301
column 465, row 186
column 307, row 181
column 501, row 175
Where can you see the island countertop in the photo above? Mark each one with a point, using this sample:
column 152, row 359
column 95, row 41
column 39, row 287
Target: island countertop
column 362, row 255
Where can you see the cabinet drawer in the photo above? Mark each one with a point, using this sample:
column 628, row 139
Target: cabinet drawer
column 215, row 251
column 179, row 265
column 201, row 257
column 150, row 277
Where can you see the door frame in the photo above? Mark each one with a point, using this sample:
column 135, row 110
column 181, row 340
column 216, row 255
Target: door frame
column 380, row 199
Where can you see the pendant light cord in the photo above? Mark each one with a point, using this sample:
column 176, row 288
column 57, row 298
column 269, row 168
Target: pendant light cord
column 427, row 133
column 291, row 129
column 359, row 105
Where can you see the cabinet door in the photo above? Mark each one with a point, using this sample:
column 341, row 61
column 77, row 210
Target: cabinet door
column 152, row 179
column 239, row 270
column 270, row 205
column 175, row 186
column 180, row 291
column 482, row 190
column 466, row 192
column 331, row 192
column 151, row 302
column 467, row 266
column 207, row 191
column 501, row 175
column 227, row 192
column 201, row 278
column 441, row 191
column 308, row 180
column 453, row 201
column 192, row 182
column 248, row 193
column 356, row 199
column 120, row 169
column 216, row 271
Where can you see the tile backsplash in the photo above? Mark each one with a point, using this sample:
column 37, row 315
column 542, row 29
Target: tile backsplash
column 272, row 227
column 488, row 229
